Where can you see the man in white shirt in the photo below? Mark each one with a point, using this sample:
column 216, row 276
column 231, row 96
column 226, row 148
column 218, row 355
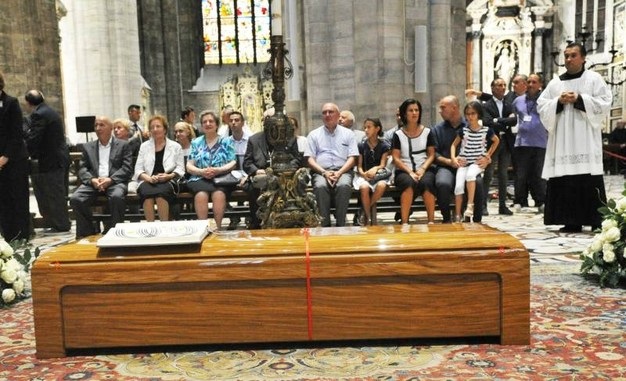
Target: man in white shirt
column 331, row 153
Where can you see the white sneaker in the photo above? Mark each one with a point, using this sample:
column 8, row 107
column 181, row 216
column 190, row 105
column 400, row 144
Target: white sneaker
column 517, row 208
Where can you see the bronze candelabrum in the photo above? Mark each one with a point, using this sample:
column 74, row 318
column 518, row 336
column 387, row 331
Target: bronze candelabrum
column 284, row 201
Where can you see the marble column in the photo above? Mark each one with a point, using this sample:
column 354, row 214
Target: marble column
column 476, row 13
column 475, row 80
column 101, row 64
column 538, row 51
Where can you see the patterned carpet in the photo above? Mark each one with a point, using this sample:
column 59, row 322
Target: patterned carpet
column 578, row 332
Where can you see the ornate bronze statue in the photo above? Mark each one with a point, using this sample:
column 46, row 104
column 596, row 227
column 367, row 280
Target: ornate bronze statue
column 284, row 202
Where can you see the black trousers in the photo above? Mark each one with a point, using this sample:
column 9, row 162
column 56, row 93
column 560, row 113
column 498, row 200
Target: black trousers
column 51, row 193
column 528, row 176
column 445, row 178
column 14, row 200
column 502, row 157
column 82, row 199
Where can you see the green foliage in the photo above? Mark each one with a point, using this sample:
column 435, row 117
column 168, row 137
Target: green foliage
column 22, row 253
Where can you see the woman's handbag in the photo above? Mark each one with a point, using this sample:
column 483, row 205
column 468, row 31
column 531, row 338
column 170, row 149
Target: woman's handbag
column 179, row 185
column 381, row 174
column 226, row 180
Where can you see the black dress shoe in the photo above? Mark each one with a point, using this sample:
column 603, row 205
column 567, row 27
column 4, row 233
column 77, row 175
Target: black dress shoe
column 234, row 222
column 571, row 229
column 505, row 211
column 53, row 231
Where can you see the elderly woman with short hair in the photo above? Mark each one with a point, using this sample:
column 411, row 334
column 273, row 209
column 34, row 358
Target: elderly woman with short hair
column 160, row 161
column 211, row 156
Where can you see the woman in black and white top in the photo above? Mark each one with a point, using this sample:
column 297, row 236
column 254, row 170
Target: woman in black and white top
column 413, row 152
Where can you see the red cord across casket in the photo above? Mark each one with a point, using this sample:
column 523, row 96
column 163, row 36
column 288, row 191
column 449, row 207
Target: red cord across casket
column 309, row 296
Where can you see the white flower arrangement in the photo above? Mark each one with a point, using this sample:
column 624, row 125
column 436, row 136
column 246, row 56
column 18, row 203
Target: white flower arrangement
column 14, row 267
column 604, row 257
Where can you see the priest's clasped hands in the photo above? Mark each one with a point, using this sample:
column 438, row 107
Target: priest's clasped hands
column 568, row 97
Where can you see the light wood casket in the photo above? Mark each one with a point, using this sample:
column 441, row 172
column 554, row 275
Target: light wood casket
column 421, row 281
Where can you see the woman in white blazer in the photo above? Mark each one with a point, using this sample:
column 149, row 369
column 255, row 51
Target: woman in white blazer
column 159, row 163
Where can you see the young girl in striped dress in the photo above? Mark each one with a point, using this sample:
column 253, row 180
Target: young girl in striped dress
column 473, row 138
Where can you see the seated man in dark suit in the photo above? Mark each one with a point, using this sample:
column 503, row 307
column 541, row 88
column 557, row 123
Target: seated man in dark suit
column 256, row 161
column 105, row 169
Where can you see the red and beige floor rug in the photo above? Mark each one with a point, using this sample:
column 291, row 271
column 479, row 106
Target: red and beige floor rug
column 578, row 332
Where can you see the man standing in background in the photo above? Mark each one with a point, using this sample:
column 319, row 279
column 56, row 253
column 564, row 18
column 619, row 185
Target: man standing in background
column 500, row 117
column 14, row 212
column 530, row 147
column 48, row 149
column 134, row 115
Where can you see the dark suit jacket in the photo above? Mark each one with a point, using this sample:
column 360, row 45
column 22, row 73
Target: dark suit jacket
column 11, row 133
column 46, row 139
column 258, row 154
column 502, row 124
column 120, row 159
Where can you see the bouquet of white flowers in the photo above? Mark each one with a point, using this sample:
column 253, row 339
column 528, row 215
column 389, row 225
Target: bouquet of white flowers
column 14, row 269
column 604, row 257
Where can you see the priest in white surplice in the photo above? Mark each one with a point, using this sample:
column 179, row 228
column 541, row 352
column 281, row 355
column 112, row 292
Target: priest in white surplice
column 573, row 108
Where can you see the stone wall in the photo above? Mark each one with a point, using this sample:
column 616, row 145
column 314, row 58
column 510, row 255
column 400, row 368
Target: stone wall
column 29, row 49
column 361, row 55
column 170, row 39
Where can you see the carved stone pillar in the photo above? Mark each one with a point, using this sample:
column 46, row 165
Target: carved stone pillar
column 538, row 51
column 475, row 80
column 476, row 12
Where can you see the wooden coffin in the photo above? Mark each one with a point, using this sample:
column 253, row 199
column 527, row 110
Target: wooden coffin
column 420, row 281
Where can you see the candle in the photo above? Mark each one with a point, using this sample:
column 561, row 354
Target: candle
column 277, row 20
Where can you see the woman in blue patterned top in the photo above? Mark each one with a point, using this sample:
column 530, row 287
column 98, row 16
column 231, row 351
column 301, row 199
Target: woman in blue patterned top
column 211, row 155
column 474, row 139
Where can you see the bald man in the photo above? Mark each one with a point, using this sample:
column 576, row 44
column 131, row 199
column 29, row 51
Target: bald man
column 331, row 153
column 105, row 169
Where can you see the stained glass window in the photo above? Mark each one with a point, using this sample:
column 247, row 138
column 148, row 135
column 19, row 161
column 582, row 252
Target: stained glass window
column 236, row 31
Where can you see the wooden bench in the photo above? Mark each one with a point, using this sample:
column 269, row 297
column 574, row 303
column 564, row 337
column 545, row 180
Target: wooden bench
column 377, row 282
column 239, row 208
